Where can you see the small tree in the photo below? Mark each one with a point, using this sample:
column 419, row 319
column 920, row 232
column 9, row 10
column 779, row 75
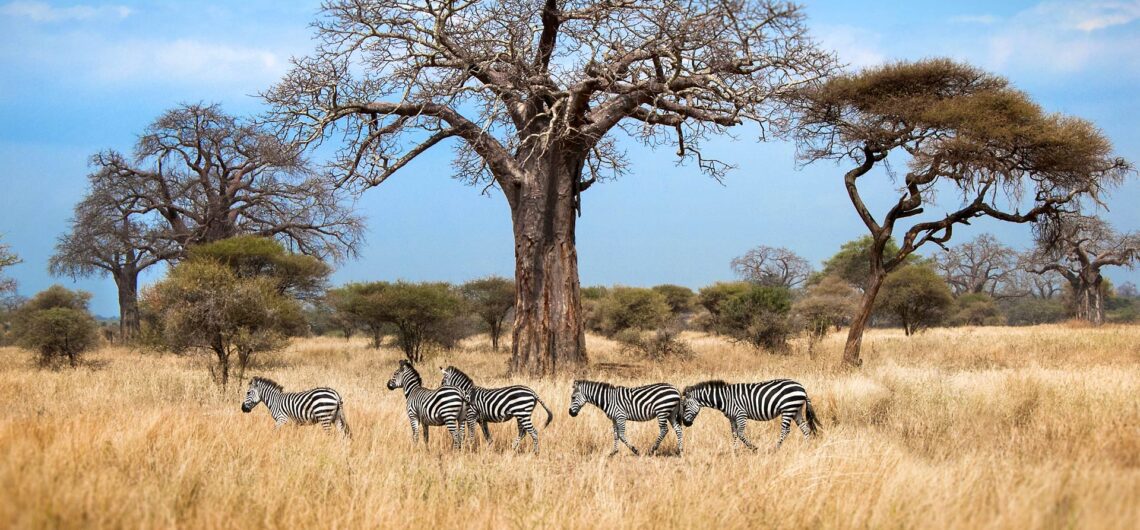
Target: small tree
column 713, row 297
column 679, row 298
column 916, row 296
column 757, row 315
column 7, row 259
column 772, row 267
column 957, row 128
column 492, row 299
column 827, row 305
column 219, row 301
column 976, row 309
column 416, row 309
column 852, row 263
column 633, row 308
column 56, row 324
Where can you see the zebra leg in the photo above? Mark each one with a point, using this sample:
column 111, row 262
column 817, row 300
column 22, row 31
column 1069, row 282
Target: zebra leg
column 663, row 424
column 455, row 429
column 614, row 451
column 785, row 427
column 416, row 431
column 620, row 424
column 522, row 433
column 533, row 433
column 425, row 434
column 740, row 423
column 802, row 423
column 486, row 431
column 680, row 438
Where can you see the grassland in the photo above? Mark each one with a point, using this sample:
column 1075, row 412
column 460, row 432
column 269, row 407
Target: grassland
column 966, row 428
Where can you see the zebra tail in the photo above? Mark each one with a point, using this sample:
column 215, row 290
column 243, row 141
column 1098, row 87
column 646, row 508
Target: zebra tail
column 813, row 421
column 343, row 421
column 549, row 415
column 677, row 411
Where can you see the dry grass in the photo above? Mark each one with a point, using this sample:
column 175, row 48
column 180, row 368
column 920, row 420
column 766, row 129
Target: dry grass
column 968, row 428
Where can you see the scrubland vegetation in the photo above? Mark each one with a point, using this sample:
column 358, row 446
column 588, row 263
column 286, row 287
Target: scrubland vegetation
column 1032, row 427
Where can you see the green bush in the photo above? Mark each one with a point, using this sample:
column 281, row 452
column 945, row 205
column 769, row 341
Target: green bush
column 916, row 296
column 976, row 309
column 56, row 324
column 757, row 315
column 632, row 308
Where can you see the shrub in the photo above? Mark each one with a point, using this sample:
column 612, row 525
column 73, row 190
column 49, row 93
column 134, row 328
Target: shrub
column 917, row 296
column 758, row 316
column 492, row 299
column 679, row 298
column 976, row 309
column 1029, row 311
column 56, row 324
column 660, row 344
column 829, row 303
column 632, row 308
column 420, row 313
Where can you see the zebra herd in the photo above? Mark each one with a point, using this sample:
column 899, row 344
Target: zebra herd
column 459, row 405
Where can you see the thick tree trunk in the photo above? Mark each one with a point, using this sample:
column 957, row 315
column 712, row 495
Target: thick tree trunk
column 127, row 280
column 548, row 334
column 862, row 317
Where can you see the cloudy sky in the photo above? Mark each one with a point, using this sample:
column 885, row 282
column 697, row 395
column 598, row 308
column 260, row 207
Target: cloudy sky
column 81, row 77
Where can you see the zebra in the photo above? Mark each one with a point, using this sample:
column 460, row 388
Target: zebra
column 753, row 401
column 319, row 405
column 496, row 405
column 446, row 405
column 643, row 403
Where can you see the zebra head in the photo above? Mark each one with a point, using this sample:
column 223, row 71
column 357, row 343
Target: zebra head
column 690, row 407
column 252, row 396
column 403, row 375
column 577, row 399
column 453, row 376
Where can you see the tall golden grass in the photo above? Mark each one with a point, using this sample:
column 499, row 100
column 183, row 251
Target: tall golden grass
column 965, row 428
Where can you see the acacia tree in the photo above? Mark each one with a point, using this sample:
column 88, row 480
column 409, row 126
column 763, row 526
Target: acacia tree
column 981, row 265
column 7, row 259
column 1077, row 247
column 960, row 130
column 492, row 298
column 108, row 236
column 773, row 267
column 211, row 176
column 533, row 92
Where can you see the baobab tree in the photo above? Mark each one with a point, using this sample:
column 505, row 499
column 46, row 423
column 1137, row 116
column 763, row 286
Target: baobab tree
column 107, row 236
column 981, row 265
column 961, row 132
column 772, row 267
column 533, row 92
column 212, row 176
column 1078, row 247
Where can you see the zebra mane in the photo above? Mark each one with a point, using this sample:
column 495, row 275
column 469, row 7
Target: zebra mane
column 599, row 384
column 404, row 363
column 716, row 383
column 265, row 381
column 459, row 373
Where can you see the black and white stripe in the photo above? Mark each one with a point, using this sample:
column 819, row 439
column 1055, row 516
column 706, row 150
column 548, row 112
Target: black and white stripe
column 445, row 405
column 319, row 405
column 621, row 404
column 753, row 401
column 496, row 405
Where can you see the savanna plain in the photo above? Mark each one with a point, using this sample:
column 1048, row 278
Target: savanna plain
column 1035, row 427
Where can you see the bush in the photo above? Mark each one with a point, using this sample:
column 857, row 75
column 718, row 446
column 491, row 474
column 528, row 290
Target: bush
column 56, row 324
column 829, row 303
column 976, row 309
column 915, row 295
column 421, row 313
column 632, row 308
column 661, row 344
column 1029, row 311
column 758, row 316
column 679, row 298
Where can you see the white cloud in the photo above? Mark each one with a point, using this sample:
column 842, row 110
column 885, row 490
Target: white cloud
column 186, row 61
column 44, row 12
column 858, row 48
column 1066, row 38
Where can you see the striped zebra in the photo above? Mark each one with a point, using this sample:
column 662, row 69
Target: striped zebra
column 621, row 404
column 319, row 405
column 446, row 405
column 495, row 405
column 753, row 401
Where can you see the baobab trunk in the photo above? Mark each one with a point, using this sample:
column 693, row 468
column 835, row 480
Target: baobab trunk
column 548, row 332
column 127, row 280
column 862, row 317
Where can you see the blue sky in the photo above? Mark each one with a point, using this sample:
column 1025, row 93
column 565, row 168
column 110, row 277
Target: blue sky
column 79, row 77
